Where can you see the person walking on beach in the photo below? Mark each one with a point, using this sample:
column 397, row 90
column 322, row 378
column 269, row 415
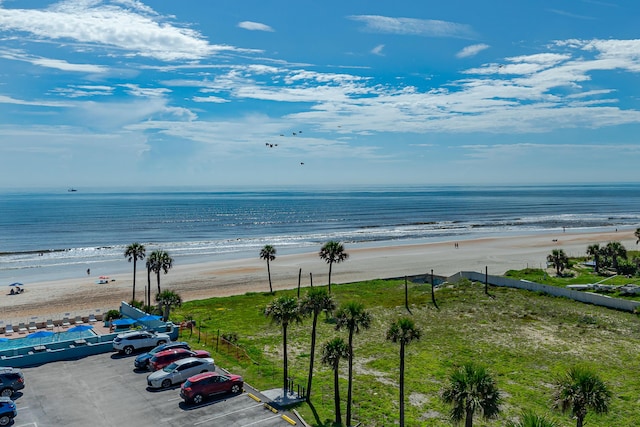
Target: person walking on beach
column 88, row 271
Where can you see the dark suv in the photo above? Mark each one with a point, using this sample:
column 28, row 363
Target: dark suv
column 11, row 380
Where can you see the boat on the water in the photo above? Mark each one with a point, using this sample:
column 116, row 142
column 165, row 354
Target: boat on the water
column 71, row 190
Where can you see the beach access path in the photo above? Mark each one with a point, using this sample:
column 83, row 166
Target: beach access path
column 82, row 296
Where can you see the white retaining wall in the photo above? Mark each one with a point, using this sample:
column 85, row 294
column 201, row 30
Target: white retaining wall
column 586, row 297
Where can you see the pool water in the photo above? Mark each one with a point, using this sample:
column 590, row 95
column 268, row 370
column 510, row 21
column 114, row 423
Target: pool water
column 56, row 337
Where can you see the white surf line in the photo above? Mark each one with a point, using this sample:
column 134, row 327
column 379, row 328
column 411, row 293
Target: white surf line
column 226, row 414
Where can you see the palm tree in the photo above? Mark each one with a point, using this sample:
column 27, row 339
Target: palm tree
column 316, row 301
column 403, row 331
column 558, row 259
column 331, row 252
column 615, row 250
column 268, row 253
column 595, row 250
column 637, row 234
column 471, row 388
column 353, row 317
column 167, row 299
column 580, row 390
column 283, row 311
column 134, row 252
column 159, row 261
column 530, row 419
column 332, row 352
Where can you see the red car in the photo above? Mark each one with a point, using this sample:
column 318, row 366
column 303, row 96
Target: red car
column 167, row 357
column 200, row 386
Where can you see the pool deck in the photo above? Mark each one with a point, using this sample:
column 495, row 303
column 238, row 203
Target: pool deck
column 40, row 324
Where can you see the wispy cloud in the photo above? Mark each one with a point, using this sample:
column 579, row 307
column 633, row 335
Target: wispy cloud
column 212, row 99
column 17, row 55
column 472, row 50
column 415, row 27
column 378, row 50
column 570, row 15
column 254, row 26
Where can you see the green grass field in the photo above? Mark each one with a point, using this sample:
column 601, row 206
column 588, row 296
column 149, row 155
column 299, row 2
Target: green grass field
column 524, row 339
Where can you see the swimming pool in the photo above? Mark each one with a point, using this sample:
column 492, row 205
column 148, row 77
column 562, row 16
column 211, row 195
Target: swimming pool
column 56, row 337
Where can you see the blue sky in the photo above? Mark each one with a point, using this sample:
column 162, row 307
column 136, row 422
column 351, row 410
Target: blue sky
column 276, row 93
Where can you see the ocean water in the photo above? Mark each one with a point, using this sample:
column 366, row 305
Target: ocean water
column 54, row 235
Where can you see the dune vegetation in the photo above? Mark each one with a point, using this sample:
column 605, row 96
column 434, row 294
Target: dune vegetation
column 525, row 341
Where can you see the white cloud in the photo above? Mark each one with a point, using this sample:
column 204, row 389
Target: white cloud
column 136, row 90
column 66, row 66
column 135, row 30
column 415, row 27
column 472, row 50
column 254, row 26
column 212, row 99
column 79, row 91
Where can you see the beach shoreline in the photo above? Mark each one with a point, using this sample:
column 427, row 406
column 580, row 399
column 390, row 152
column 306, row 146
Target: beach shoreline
column 217, row 278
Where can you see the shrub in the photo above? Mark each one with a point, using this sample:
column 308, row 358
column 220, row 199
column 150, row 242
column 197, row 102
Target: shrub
column 112, row 314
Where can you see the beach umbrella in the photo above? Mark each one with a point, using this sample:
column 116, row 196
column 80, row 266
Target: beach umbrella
column 123, row 322
column 16, row 284
column 149, row 318
column 40, row 334
column 80, row 328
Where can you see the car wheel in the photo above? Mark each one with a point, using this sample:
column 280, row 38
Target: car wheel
column 235, row 389
column 161, row 342
column 128, row 350
column 166, row 383
column 5, row 420
column 198, row 398
column 6, row 392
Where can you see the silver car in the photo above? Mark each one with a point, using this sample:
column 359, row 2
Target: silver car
column 179, row 371
column 129, row 342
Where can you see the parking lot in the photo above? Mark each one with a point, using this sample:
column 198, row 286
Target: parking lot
column 104, row 390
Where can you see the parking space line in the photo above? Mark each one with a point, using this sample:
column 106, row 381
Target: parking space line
column 226, row 414
column 261, row 421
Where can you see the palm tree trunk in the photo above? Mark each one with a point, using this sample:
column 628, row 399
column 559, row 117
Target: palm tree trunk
column 401, row 383
column 133, row 298
column 468, row 422
column 331, row 265
column 350, row 379
column 311, row 357
column 158, row 278
column 285, row 362
column 269, row 272
column 148, row 287
column 336, row 393
column 580, row 421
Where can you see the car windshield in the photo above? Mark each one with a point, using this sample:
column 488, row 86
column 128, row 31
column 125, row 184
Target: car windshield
column 156, row 350
column 170, row 368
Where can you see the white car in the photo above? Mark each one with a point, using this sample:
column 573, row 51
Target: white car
column 128, row 342
column 179, row 371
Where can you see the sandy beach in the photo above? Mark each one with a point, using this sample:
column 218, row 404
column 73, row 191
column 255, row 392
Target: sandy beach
column 83, row 296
